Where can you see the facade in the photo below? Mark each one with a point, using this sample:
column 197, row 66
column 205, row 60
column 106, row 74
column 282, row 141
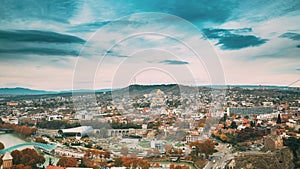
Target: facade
column 12, row 103
column 273, row 141
column 54, row 117
column 231, row 164
column 68, row 153
column 77, row 131
column 192, row 138
column 7, row 161
column 249, row 110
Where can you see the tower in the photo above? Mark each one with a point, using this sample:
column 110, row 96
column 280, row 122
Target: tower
column 7, row 161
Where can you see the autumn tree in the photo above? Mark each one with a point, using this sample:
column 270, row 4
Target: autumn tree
column 172, row 166
column 206, row 147
column 223, row 137
column 21, row 166
column 135, row 162
column 27, row 157
column 67, row 162
column 168, row 148
column 142, row 163
column 24, row 130
column 40, row 140
column 1, row 146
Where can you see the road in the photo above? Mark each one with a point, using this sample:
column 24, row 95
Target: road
column 220, row 158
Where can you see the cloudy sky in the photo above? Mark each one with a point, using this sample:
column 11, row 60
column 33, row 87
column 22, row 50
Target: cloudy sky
column 60, row 45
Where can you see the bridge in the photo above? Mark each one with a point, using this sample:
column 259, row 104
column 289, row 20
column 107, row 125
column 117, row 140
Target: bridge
column 47, row 147
column 122, row 132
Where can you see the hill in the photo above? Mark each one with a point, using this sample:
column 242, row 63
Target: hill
column 23, row 91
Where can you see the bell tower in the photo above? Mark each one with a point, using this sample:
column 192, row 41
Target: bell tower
column 7, row 161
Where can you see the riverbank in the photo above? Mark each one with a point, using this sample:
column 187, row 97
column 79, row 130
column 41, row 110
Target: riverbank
column 12, row 139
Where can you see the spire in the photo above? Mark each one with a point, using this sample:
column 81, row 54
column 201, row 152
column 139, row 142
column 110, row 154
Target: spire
column 7, row 156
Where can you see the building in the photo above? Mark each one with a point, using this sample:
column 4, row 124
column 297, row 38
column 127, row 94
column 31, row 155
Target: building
column 7, row 161
column 54, row 167
column 68, row 153
column 249, row 110
column 77, row 131
column 12, row 103
column 54, row 117
column 273, row 141
column 231, row 164
column 84, row 115
column 192, row 138
column 157, row 144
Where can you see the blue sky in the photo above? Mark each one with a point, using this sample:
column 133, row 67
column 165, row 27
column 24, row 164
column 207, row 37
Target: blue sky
column 57, row 45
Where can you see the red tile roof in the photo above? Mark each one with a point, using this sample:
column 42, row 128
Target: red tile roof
column 54, row 167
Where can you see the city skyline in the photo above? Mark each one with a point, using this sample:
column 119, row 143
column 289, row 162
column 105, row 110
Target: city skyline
column 43, row 43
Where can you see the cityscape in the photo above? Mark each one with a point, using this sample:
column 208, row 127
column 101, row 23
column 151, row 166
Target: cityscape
column 157, row 126
column 95, row 84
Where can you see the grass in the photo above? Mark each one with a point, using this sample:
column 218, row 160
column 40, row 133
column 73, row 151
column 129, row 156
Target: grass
column 144, row 144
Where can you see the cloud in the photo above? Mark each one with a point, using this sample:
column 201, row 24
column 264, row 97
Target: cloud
column 233, row 39
column 234, row 42
column 291, row 35
column 174, row 62
column 193, row 10
column 38, row 36
column 256, row 11
column 54, row 10
column 114, row 54
column 88, row 27
column 19, row 44
column 40, row 51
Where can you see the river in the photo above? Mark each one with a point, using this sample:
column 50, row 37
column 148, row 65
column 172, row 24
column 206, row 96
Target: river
column 10, row 139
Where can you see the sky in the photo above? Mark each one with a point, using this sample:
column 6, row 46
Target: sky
column 76, row 44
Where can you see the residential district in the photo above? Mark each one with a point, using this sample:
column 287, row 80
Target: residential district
column 158, row 126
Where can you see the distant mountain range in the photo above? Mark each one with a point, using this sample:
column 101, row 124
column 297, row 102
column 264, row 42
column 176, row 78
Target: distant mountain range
column 26, row 91
column 132, row 88
column 23, row 91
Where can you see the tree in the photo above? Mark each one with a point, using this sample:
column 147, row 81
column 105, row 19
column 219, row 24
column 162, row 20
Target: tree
column 118, row 162
column 168, row 148
column 67, row 162
column 278, row 121
column 20, row 166
column 233, row 125
column 40, row 140
column 206, row 147
column 223, row 119
column 172, row 166
column 252, row 123
column 27, row 157
column 124, row 151
column 135, row 162
column 223, row 137
column 1, row 146
column 133, row 155
column 294, row 145
column 50, row 162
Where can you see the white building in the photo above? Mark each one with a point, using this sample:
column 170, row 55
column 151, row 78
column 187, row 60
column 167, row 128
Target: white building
column 68, row 153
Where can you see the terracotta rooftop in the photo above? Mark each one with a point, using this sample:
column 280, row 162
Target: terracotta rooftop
column 54, row 167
